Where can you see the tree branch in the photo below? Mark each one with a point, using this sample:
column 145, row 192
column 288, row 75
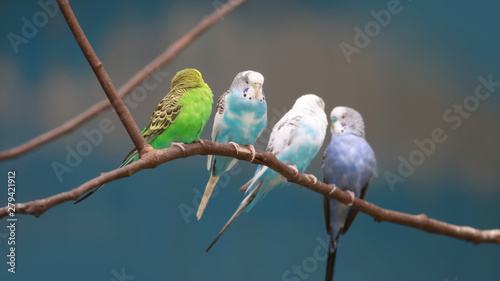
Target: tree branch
column 163, row 59
column 157, row 157
column 106, row 84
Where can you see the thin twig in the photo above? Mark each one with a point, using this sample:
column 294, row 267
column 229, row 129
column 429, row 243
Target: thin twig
column 99, row 71
column 158, row 157
column 166, row 57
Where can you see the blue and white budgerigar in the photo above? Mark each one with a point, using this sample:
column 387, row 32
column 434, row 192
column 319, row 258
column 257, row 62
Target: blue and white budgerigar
column 349, row 163
column 295, row 140
column 240, row 119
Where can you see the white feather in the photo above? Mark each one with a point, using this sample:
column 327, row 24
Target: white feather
column 219, row 115
column 283, row 132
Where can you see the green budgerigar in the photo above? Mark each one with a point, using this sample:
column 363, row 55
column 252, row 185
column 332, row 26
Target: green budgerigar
column 179, row 117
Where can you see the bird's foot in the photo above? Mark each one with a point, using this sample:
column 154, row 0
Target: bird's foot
column 353, row 196
column 312, row 178
column 202, row 142
column 236, row 146
column 252, row 149
column 294, row 167
column 179, row 145
column 333, row 189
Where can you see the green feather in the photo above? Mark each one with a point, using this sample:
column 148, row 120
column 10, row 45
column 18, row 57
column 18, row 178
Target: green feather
column 179, row 117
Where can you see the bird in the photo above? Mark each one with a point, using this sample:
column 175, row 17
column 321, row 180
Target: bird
column 240, row 118
column 349, row 163
column 179, row 117
column 295, row 140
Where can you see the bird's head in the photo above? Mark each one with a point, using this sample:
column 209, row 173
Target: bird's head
column 312, row 105
column 188, row 78
column 310, row 102
column 345, row 120
column 250, row 84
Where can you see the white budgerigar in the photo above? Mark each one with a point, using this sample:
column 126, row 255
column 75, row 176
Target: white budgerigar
column 295, row 140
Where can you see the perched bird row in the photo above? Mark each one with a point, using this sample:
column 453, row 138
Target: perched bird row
column 241, row 116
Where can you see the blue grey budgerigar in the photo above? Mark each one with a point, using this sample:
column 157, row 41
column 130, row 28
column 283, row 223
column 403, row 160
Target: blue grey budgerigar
column 240, row 119
column 349, row 163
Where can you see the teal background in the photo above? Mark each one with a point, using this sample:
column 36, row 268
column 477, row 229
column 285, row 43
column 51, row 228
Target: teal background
column 426, row 59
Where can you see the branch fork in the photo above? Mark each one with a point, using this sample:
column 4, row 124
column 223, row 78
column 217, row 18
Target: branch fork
column 150, row 158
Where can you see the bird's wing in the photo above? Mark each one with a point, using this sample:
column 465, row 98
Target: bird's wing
column 221, row 109
column 326, row 214
column 353, row 212
column 163, row 116
column 281, row 138
column 219, row 115
column 371, row 169
column 283, row 133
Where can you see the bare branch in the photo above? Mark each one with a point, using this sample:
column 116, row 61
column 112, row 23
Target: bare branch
column 99, row 71
column 158, row 157
column 166, row 57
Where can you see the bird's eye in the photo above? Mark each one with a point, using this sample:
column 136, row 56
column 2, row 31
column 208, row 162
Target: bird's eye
column 244, row 95
column 343, row 116
column 247, row 82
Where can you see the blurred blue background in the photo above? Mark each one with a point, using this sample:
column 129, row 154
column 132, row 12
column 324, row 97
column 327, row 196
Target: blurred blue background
column 414, row 69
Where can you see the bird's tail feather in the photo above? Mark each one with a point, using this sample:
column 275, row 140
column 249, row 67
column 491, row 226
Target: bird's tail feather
column 128, row 160
column 248, row 186
column 332, row 254
column 243, row 205
column 206, row 196
column 231, row 165
column 209, row 161
column 88, row 194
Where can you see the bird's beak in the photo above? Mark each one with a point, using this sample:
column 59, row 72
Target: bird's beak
column 333, row 125
column 257, row 87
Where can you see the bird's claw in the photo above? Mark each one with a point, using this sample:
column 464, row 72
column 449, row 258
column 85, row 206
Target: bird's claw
column 252, row 149
column 202, row 142
column 311, row 176
column 179, row 145
column 333, row 189
column 353, row 196
column 236, row 146
column 294, row 169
